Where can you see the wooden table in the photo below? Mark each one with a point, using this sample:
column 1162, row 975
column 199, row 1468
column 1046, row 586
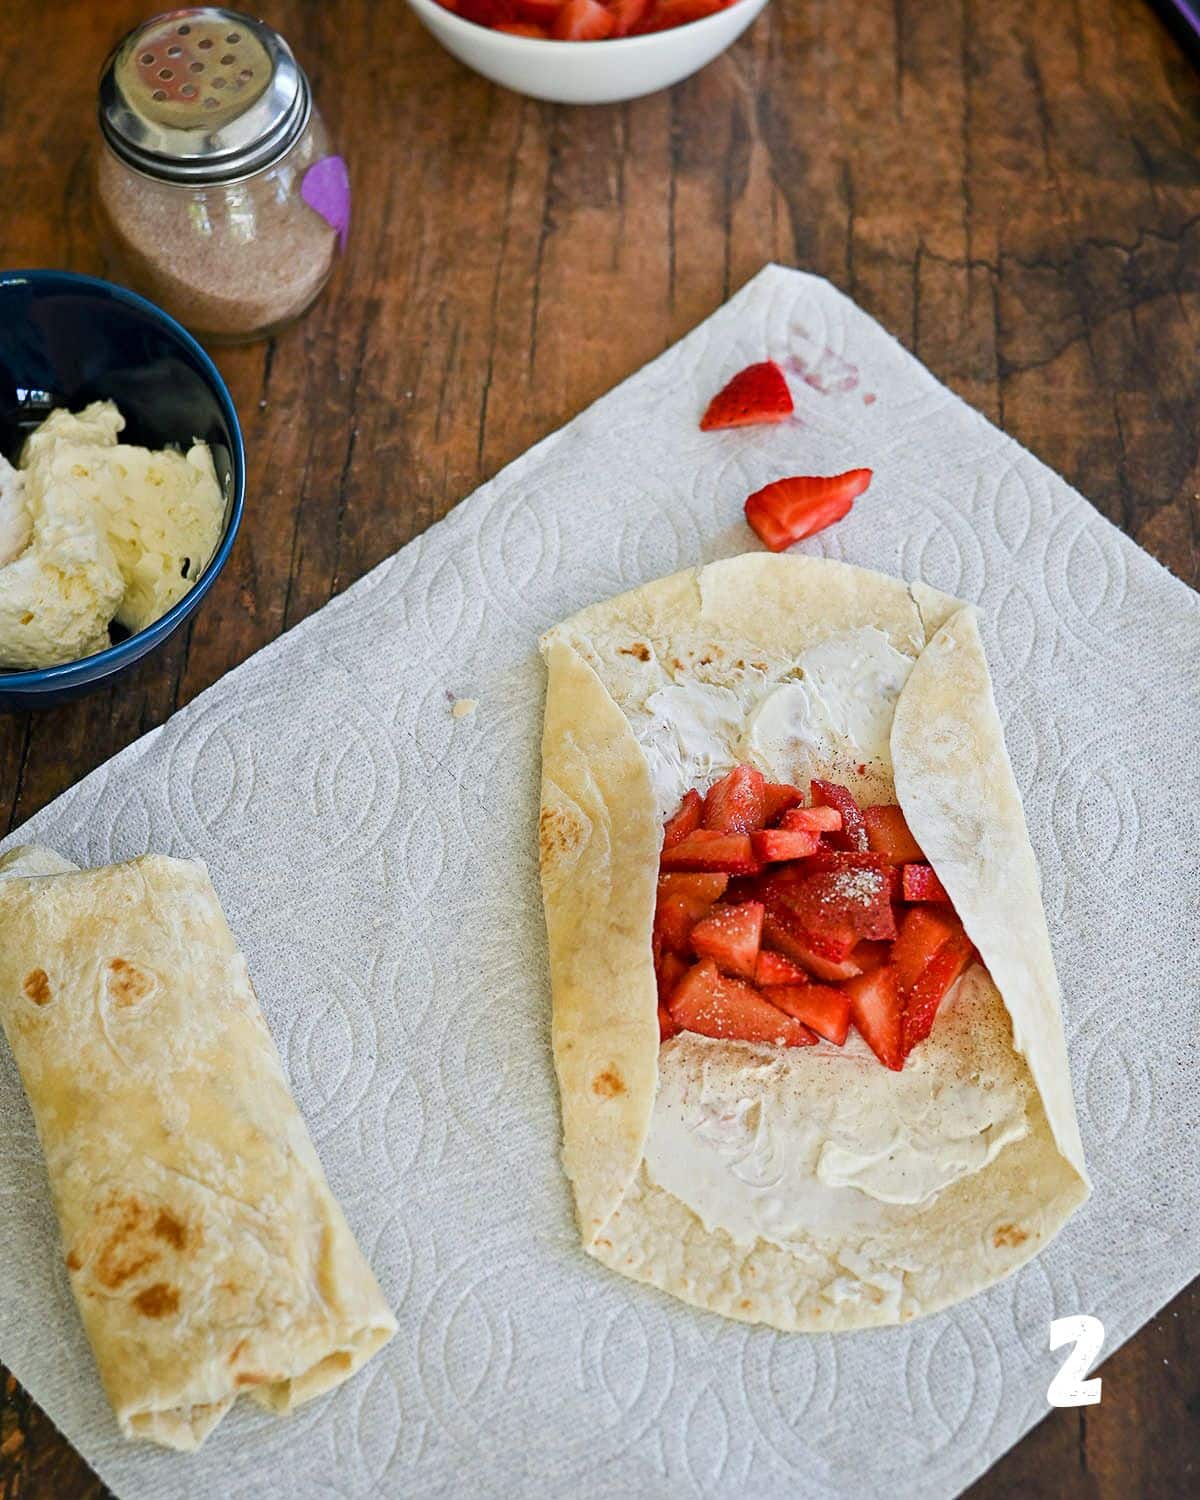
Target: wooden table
column 1013, row 188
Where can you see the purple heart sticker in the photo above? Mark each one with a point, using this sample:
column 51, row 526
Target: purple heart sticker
column 326, row 189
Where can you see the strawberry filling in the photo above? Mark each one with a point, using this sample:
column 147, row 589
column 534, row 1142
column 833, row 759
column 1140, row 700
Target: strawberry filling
column 736, row 803
column 685, row 821
column 731, row 936
column 888, row 833
column 780, row 924
column 707, row 1002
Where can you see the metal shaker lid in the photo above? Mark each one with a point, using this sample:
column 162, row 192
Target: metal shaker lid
column 202, row 95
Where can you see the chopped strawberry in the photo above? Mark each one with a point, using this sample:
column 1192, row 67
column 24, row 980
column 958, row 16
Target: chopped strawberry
column 677, row 913
column 758, row 394
column 920, row 883
column 778, row 798
column 773, row 968
column 819, row 1006
column 731, row 935
column 541, row 12
column 834, row 942
column 668, row 13
column 686, row 820
column 772, row 844
column 627, row 14
column 735, row 804
column 922, row 933
column 812, row 820
column 706, row 1002
column 780, row 931
column 708, row 850
column 888, row 833
column 667, row 1025
column 852, row 859
column 791, row 509
column 683, row 900
column 669, row 970
column 844, row 898
column 853, row 832
column 870, row 954
column 708, row 888
column 875, row 1008
column 487, row 12
column 540, row 34
column 582, row 21
column 931, row 987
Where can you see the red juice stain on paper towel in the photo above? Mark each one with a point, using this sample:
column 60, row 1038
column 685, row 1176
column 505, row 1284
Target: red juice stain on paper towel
column 826, row 371
column 326, row 189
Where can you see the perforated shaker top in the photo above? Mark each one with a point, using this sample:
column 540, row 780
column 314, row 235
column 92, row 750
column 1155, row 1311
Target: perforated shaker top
column 202, row 95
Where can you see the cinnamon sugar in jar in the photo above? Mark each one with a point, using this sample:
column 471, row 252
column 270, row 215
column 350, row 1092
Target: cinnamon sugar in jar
column 219, row 194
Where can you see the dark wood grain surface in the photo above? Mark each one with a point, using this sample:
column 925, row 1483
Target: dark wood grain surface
column 1011, row 186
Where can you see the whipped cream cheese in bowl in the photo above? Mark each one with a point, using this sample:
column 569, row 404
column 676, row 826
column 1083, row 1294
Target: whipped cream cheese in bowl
column 126, row 506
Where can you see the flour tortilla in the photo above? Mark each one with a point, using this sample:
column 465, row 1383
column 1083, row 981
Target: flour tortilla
column 205, row 1250
column 600, row 842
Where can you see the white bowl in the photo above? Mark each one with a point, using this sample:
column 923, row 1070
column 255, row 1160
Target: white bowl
column 588, row 72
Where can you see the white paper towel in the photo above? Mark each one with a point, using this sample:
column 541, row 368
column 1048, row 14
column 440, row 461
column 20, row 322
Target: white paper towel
column 375, row 856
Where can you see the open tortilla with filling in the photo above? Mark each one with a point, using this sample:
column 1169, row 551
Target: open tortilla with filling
column 808, row 1188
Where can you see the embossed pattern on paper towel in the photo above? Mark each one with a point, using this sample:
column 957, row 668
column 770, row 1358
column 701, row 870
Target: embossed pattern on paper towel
column 375, row 857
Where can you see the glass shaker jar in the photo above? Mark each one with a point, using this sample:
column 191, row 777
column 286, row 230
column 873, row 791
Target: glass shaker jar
column 218, row 193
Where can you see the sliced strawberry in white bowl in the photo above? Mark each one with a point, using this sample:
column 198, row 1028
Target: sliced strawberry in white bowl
column 586, row 51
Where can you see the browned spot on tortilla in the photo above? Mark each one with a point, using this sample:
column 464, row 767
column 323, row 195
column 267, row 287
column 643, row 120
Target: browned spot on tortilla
column 127, row 984
column 608, row 1084
column 27, row 617
column 157, row 1301
column 759, row 666
column 127, row 1249
column 677, row 664
column 606, row 1243
column 112, row 1272
column 255, row 1377
column 1009, row 1236
column 706, row 661
column 236, row 1350
column 73, row 1261
column 37, row 986
column 168, row 1227
column 740, row 664
column 559, row 832
column 745, row 1304
column 638, row 649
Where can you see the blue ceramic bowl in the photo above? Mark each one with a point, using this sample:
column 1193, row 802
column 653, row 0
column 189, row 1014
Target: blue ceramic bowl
column 66, row 340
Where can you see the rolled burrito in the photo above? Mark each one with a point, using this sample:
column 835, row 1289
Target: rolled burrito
column 205, row 1249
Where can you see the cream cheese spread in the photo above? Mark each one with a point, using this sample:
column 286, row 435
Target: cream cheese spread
column 832, row 706
column 93, row 530
column 795, row 1144
column 839, row 706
